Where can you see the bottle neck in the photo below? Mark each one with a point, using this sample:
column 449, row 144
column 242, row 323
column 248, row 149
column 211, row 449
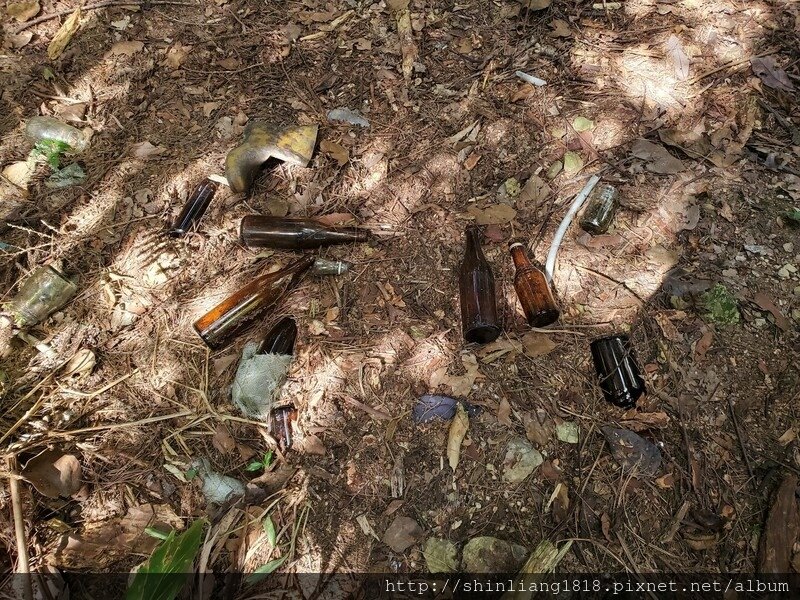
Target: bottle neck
column 520, row 259
column 474, row 242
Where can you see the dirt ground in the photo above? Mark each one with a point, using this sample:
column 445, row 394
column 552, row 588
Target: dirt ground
column 166, row 89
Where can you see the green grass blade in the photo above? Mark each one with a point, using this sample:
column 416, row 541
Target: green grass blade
column 164, row 574
column 265, row 570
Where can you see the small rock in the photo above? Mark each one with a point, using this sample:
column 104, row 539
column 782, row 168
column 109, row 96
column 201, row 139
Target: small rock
column 441, row 556
column 786, row 271
column 492, row 555
column 730, row 273
column 789, row 247
column 797, row 291
column 520, row 461
column 402, row 534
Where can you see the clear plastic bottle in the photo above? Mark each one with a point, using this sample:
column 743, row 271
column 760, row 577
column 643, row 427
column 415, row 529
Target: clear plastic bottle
column 38, row 129
column 43, row 293
column 600, row 211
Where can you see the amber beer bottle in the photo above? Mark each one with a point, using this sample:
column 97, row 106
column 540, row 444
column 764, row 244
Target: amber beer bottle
column 476, row 292
column 280, row 339
column 532, row 290
column 259, row 231
column 195, row 208
column 231, row 315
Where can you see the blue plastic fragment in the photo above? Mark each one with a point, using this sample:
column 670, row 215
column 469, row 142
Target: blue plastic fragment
column 430, row 407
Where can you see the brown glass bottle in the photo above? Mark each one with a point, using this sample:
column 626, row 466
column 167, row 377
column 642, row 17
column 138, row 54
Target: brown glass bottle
column 280, row 339
column 259, row 231
column 476, row 292
column 234, row 313
column 532, row 290
column 195, row 208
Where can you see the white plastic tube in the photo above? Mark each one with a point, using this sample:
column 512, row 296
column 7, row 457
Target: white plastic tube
column 562, row 229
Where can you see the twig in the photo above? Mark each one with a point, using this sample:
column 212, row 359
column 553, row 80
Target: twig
column 728, row 65
column 612, row 280
column 183, row 413
column 378, row 414
column 23, row 566
column 69, row 11
column 741, row 442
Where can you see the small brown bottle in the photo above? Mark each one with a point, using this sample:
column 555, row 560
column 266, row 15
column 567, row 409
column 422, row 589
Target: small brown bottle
column 195, row 208
column 532, row 290
column 476, row 292
column 259, row 231
column 231, row 315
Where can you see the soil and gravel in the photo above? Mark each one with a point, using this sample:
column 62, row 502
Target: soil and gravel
column 166, row 89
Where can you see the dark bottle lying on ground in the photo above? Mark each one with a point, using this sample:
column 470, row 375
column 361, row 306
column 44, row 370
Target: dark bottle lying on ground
column 616, row 367
column 532, row 290
column 476, row 292
column 600, row 210
column 280, row 425
column 280, row 339
column 234, row 313
column 195, row 208
column 258, row 231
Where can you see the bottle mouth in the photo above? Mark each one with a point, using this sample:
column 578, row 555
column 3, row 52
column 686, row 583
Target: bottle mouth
column 514, row 245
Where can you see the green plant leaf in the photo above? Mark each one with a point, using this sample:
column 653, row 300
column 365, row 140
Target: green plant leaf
column 261, row 572
column 269, row 529
column 51, row 151
column 159, row 535
column 794, row 215
column 254, row 466
column 191, row 474
column 165, row 573
column 721, row 306
column 268, row 459
column 582, row 124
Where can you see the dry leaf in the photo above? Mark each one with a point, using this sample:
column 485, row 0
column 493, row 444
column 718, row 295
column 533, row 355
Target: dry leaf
column 560, row 29
column 536, row 4
column 537, row 344
column 336, row 218
column 636, row 421
column 605, row 527
column 222, row 439
column 560, row 502
column 781, row 529
column 311, row 444
column 22, row 11
column 657, row 157
column 703, row 344
column 666, row 482
column 336, row 151
column 64, row 35
column 667, row 327
column 494, row 214
column 19, row 173
column 458, row 430
column 81, row 363
column 177, row 55
column 597, row 242
column 18, row 40
column 788, row 437
column 498, row 348
column 408, row 46
column 127, row 48
column 690, row 218
column 54, row 474
column 535, row 191
column 504, row 413
column 145, row 150
column 679, row 59
column 771, row 74
column 471, row 161
column 764, row 302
